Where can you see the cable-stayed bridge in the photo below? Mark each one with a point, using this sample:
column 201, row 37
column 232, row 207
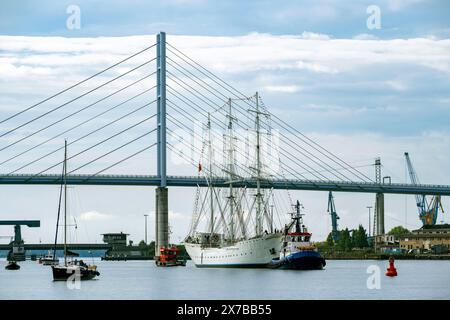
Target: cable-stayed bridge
column 194, row 181
column 159, row 100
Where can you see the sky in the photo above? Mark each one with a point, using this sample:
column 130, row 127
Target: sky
column 361, row 92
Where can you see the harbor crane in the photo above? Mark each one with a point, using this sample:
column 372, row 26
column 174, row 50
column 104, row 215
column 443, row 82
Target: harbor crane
column 428, row 210
column 334, row 217
column 17, row 251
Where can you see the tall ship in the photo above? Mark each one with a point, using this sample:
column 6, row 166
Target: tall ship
column 232, row 226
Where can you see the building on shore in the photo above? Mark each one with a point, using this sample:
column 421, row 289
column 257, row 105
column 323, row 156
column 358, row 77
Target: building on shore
column 123, row 250
column 429, row 238
column 386, row 243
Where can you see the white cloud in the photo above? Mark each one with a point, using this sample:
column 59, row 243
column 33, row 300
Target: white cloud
column 94, row 216
column 397, row 85
column 286, row 88
column 397, row 5
column 365, row 36
column 314, row 36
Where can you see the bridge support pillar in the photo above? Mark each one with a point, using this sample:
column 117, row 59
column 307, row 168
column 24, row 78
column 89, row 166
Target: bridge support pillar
column 161, row 219
column 379, row 202
column 379, row 207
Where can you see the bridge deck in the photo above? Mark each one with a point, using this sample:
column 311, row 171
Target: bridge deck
column 193, row 181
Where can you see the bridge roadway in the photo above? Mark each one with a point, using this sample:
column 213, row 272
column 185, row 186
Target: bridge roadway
column 50, row 246
column 193, row 181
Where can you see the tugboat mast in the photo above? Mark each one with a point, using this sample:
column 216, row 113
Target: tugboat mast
column 297, row 216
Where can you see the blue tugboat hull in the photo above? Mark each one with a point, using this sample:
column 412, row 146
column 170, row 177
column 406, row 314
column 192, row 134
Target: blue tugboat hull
column 304, row 260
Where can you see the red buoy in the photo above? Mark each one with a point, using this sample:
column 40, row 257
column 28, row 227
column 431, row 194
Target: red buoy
column 391, row 271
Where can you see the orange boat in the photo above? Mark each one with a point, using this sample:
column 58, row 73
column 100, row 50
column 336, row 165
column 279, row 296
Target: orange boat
column 169, row 257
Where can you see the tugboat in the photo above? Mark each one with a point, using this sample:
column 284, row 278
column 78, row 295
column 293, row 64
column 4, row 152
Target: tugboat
column 12, row 265
column 169, row 257
column 297, row 252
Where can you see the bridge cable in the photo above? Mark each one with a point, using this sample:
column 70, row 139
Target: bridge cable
column 280, row 121
column 296, row 160
column 77, row 112
column 245, row 114
column 77, row 84
column 238, row 150
column 97, row 144
column 122, row 160
column 78, row 125
column 74, row 99
column 86, row 135
column 113, row 150
column 244, row 128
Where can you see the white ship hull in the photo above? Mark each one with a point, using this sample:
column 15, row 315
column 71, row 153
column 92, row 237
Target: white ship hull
column 256, row 252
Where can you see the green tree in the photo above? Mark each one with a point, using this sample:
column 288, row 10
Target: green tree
column 345, row 242
column 330, row 241
column 142, row 243
column 359, row 238
column 398, row 231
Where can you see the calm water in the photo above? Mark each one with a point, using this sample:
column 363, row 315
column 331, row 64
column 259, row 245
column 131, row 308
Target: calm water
column 142, row 280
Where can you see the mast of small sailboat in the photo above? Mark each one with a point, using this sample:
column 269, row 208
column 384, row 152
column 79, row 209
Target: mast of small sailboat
column 65, row 203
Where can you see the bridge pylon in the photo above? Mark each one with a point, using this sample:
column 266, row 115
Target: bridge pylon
column 379, row 202
column 161, row 193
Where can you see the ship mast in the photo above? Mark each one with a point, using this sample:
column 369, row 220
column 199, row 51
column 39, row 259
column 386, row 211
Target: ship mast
column 65, row 203
column 211, row 191
column 258, row 170
column 231, row 169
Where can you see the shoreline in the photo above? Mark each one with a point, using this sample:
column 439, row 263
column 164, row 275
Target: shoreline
column 386, row 257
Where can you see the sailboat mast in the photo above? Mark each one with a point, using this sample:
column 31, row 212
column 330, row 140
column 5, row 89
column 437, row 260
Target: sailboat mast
column 65, row 203
column 211, row 191
column 258, row 169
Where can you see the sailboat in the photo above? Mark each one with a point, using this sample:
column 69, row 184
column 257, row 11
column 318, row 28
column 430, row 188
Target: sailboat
column 70, row 270
column 228, row 240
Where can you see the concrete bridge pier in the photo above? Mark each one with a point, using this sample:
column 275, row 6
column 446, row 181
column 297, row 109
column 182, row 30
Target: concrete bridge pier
column 379, row 201
column 379, row 207
column 162, row 219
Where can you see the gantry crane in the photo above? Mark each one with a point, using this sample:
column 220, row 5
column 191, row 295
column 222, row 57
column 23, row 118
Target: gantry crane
column 17, row 251
column 428, row 210
column 334, row 217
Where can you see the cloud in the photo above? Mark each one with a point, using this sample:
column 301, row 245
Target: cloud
column 314, row 36
column 286, row 88
column 365, row 36
column 397, row 5
column 94, row 216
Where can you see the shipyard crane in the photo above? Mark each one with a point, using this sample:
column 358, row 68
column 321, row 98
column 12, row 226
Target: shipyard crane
column 428, row 210
column 334, row 217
